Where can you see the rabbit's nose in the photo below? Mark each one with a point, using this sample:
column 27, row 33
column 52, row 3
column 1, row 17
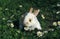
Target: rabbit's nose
column 26, row 23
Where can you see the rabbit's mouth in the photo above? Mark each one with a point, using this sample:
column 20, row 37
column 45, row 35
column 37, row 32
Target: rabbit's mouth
column 27, row 25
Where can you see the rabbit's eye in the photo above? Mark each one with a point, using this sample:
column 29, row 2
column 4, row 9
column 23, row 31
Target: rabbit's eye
column 29, row 20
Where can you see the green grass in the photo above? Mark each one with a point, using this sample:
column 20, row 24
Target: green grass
column 11, row 10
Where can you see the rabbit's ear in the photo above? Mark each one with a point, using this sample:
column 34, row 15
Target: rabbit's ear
column 36, row 12
column 31, row 9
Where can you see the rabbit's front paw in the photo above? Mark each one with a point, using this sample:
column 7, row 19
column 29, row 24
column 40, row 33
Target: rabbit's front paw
column 39, row 33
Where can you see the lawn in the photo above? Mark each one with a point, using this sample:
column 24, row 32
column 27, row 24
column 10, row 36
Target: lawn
column 11, row 10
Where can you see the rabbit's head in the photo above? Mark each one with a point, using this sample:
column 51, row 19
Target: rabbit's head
column 30, row 19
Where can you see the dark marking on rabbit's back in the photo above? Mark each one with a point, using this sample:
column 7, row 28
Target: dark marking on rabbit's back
column 21, row 24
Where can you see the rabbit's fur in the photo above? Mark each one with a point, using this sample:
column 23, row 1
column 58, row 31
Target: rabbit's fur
column 30, row 21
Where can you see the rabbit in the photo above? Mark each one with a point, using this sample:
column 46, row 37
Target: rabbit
column 29, row 20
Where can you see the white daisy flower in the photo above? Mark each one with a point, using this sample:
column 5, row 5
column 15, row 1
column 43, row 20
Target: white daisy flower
column 12, row 25
column 39, row 34
column 6, row 9
column 42, row 16
column 54, row 23
column 57, row 12
column 58, row 4
column 3, row 18
column 20, row 6
column 58, row 22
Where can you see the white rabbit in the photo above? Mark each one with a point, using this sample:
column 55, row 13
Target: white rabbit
column 30, row 21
